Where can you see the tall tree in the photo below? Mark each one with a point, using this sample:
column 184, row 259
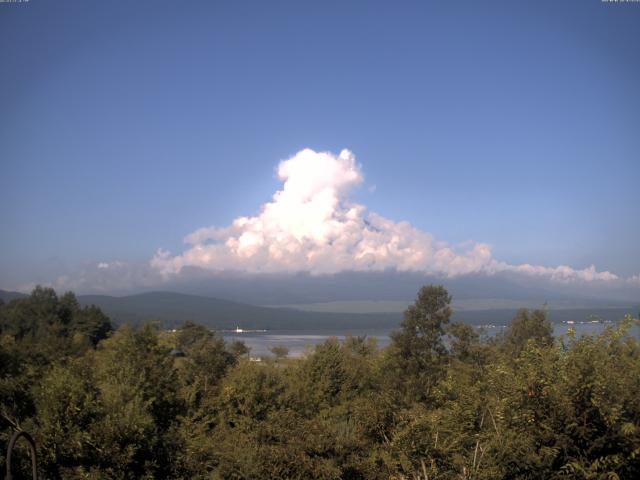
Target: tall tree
column 418, row 352
column 528, row 325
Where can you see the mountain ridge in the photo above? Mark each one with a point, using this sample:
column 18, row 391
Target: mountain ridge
column 173, row 308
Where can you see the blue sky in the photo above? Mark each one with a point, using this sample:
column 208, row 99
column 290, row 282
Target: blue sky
column 125, row 126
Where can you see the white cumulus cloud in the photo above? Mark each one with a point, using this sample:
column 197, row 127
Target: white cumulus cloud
column 311, row 225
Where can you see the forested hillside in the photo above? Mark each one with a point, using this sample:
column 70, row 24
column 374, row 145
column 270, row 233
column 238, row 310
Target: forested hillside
column 174, row 308
column 438, row 403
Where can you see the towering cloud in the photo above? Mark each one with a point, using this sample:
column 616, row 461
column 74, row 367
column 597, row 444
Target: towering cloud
column 311, row 225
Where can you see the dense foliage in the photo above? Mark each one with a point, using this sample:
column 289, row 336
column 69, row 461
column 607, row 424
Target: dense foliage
column 441, row 402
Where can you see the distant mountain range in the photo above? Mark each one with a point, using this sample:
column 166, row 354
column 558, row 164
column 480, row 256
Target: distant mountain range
column 172, row 309
column 8, row 296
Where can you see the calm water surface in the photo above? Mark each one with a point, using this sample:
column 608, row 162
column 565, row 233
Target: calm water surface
column 299, row 341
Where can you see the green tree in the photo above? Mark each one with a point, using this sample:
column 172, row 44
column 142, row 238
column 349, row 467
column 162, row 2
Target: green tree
column 67, row 404
column 465, row 342
column 206, row 360
column 280, row 351
column 138, row 389
column 91, row 324
column 418, row 353
column 528, row 325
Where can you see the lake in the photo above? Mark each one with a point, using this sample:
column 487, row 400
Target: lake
column 298, row 341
